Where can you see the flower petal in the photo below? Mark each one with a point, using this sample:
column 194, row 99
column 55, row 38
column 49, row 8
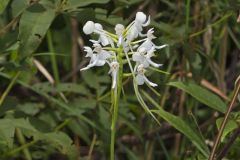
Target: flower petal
column 137, row 57
column 153, row 63
column 149, row 82
column 160, row 47
column 140, row 79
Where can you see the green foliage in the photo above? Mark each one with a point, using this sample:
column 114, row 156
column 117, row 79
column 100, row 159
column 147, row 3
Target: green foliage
column 3, row 5
column 33, row 26
column 230, row 126
column 180, row 125
column 202, row 95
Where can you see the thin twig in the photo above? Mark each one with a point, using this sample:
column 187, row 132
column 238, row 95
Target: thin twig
column 91, row 147
column 212, row 155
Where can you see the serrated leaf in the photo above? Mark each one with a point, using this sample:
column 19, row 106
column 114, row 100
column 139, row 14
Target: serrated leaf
column 203, row 95
column 181, row 125
column 33, row 26
column 230, row 126
column 8, row 126
column 59, row 140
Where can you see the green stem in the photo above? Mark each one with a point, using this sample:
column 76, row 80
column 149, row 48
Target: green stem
column 225, row 120
column 187, row 15
column 23, row 142
column 117, row 93
column 22, row 147
column 53, row 57
column 4, row 95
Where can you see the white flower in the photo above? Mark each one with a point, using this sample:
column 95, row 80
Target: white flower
column 98, row 58
column 142, row 50
column 119, row 28
column 143, row 57
column 91, row 27
column 141, row 78
column 148, row 44
column 114, row 67
column 135, row 29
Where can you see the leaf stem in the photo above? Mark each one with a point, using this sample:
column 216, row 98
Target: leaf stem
column 212, row 155
column 23, row 142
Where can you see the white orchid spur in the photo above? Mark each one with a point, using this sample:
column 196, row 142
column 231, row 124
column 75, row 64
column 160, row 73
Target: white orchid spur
column 141, row 78
column 127, row 41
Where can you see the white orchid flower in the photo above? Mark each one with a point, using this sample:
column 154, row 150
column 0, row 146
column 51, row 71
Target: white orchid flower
column 141, row 78
column 142, row 50
column 91, row 27
column 114, row 67
column 148, row 44
column 143, row 57
column 135, row 29
column 119, row 28
column 98, row 58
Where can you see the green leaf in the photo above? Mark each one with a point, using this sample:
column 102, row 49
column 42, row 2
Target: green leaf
column 84, row 103
column 3, row 5
column 81, row 129
column 6, row 132
column 30, row 108
column 230, row 126
column 74, row 4
column 203, row 95
column 59, row 140
column 61, row 87
column 8, row 126
column 90, row 78
column 33, row 26
column 18, row 6
column 181, row 126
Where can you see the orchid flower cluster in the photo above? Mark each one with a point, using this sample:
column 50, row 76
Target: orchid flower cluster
column 106, row 49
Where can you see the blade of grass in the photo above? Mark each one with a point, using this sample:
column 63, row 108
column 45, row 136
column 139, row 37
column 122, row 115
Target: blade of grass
column 53, row 57
column 9, row 88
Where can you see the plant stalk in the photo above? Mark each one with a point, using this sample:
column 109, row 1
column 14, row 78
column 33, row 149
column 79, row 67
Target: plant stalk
column 53, row 57
column 117, row 93
column 212, row 155
column 23, row 142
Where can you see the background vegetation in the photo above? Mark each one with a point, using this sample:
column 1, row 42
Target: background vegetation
column 50, row 110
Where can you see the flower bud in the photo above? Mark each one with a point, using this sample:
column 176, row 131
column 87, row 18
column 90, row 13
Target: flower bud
column 89, row 27
column 119, row 28
column 141, row 17
column 98, row 26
